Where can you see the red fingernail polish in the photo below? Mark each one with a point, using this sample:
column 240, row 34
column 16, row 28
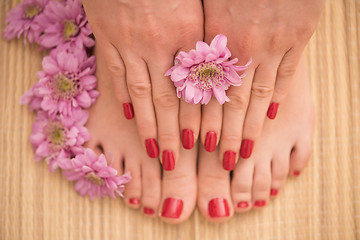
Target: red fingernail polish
column 168, row 160
column 128, row 110
column 134, row 201
column 152, row 147
column 273, row 192
column 172, row 208
column 272, row 111
column 296, row 173
column 218, row 207
column 260, row 203
column 187, row 138
column 229, row 160
column 243, row 205
column 210, row 141
column 148, row 211
column 246, row 148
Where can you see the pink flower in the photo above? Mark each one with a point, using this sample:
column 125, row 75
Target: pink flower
column 22, row 19
column 93, row 176
column 206, row 71
column 66, row 83
column 57, row 138
column 65, row 24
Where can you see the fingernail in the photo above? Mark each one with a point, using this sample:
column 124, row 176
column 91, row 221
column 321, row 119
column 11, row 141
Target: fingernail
column 218, row 207
column 296, row 173
column 172, row 208
column 134, row 201
column 246, row 148
column 229, row 160
column 128, row 110
column 243, row 205
column 148, row 211
column 260, row 203
column 272, row 111
column 273, row 192
column 187, row 138
column 168, row 160
column 152, row 147
column 210, row 141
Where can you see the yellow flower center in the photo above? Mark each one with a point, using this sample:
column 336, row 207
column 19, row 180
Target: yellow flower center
column 95, row 179
column 70, row 29
column 55, row 134
column 207, row 75
column 31, row 10
column 65, row 86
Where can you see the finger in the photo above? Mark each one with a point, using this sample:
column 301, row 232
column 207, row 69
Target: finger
column 115, row 67
column 233, row 120
column 166, row 105
column 211, row 122
column 139, row 85
column 285, row 73
column 261, row 94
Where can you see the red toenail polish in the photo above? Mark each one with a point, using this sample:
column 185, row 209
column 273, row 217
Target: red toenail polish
column 272, row 111
column 134, row 201
column 273, row 192
column 187, row 138
column 148, row 211
column 168, row 160
column 128, row 110
column 210, row 141
column 172, row 208
column 152, row 147
column 260, row 203
column 243, row 205
column 246, row 148
column 218, row 207
column 229, row 160
column 296, row 173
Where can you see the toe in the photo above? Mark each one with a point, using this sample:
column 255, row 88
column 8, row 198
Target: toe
column 261, row 184
column 179, row 189
column 132, row 194
column 214, row 198
column 279, row 173
column 299, row 157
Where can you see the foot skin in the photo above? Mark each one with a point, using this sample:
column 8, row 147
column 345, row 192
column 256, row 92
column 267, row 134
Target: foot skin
column 284, row 149
column 117, row 137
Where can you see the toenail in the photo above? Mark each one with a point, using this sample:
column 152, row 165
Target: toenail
column 229, row 160
column 172, row 208
column 148, row 211
column 152, row 147
column 134, row 201
column 218, row 207
column 273, row 192
column 261, row 203
column 272, row 111
column 246, row 148
column 128, row 110
column 187, row 138
column 210, row 141
column 243, row 205
column 168, row 160
column 296, row 173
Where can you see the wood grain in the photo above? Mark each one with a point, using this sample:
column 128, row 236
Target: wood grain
column 323, row 203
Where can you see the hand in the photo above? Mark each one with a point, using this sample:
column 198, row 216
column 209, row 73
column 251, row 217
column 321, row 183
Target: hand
column 140, row 40
column 273, row 34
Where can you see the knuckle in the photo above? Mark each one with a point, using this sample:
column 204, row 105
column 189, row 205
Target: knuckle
column 233, row 138
column 116, row 70
column 261, row 90
column 146, row 126
column 254, row 128
column 237, row 102
column 286, row 70
column 139, row 89
column 166, row 100
column 167, row 137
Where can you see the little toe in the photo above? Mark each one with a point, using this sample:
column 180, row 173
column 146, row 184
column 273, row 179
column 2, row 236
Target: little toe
column 214, row 200
column 279, row 173
column 132, row 193
column 299, row 157
column 179, row 188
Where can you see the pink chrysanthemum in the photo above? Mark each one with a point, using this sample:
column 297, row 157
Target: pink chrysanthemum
column 66, row 83
column 65, row 24
column 206, row 71
column 93, row 176
column 22, row 19
column 58, row 138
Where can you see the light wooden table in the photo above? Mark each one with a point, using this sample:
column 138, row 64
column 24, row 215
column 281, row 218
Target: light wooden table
column 323, row 203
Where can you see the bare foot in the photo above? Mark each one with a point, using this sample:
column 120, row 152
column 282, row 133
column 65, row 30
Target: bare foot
column 283, row 149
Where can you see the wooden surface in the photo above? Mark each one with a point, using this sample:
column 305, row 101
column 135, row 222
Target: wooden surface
column 323, row 203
